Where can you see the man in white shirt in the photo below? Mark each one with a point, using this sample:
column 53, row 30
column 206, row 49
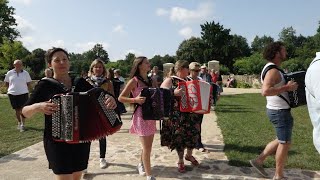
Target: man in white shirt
column 18, row 81
column 274, row 86
column 313, row 98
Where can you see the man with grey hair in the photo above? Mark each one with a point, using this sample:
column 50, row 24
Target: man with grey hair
column 18, row 81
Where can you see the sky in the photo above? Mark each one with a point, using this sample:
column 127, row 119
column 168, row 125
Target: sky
column 153, row 27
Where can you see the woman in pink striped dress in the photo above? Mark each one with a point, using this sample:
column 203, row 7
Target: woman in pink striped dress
column 144, row 129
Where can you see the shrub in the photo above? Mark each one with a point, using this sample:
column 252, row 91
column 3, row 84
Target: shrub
column 242, row 84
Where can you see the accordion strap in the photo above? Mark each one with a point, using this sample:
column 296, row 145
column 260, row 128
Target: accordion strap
column 263, row 75
column 55, row 82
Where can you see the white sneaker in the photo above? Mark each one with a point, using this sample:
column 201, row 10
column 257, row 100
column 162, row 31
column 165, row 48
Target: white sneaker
column 19, row 127
column 151, row 178
column 103, row 163
column 141, row 169
column 85, row 171
column 22, row 128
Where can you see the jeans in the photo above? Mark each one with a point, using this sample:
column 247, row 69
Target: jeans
column 282, row 121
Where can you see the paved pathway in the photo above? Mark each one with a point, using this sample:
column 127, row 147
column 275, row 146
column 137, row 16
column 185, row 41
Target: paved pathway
column 123, row 153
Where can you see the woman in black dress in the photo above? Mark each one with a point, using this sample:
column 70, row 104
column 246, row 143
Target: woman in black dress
column 66, row 160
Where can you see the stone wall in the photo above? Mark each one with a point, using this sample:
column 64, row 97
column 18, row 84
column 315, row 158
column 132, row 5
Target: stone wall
column 253, row 80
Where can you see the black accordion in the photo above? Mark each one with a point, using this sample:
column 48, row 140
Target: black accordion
column 297, row 97
column 83, row 117
column 157, row 105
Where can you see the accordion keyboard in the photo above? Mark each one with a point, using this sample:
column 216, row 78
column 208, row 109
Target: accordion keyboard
column 110, row 113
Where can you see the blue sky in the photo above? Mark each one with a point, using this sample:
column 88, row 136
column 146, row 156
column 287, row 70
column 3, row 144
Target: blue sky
column 151, row 27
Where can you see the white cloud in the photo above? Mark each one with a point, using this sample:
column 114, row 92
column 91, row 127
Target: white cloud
column 82, row 47
column 186, row 16
column 25, row 2
column 162, row 12
column 118, row 29
column 186, row 32
column 24, row 26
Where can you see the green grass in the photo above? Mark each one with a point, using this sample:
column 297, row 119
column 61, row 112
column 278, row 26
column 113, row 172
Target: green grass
column 11, row 139
column 246, row 131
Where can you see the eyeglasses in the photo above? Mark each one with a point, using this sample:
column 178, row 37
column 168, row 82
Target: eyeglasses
column 195, row 70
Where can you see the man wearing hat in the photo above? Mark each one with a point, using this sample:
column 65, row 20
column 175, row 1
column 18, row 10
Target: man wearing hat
column 18, row 81
column 204, row 74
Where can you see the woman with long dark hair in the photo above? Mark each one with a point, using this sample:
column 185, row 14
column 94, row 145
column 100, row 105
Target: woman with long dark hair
column 145, row 129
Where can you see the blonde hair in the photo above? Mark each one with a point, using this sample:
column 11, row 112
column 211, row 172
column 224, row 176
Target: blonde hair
column 180, row 64
column 94, row 63
column 193, row 65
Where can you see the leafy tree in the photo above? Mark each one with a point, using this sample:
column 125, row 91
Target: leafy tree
column 96, row 52
column 249, row 65
column 239, row 47
column 156, row 61
column 7, row 22
column 288, row 36
column 168, row 59
column 36, row 62
column 217, row 40
column 11, row 51
column 258, row 44
column 191, row 50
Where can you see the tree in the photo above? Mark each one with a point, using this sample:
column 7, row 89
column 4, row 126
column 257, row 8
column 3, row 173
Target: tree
column 258, row 44
column 216, row 40
column 191, row 50
column 7, row 22
column 156, row 61
column 36, row 62
column 11, row 51
column 249, row 65
column 96, row 52
column 239, row 47
column 288, row 36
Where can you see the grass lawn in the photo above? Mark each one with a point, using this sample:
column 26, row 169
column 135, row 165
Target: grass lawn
column 11, row 139
column 246, row 130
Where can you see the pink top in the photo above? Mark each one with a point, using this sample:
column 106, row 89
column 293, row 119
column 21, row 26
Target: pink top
column 140, row 126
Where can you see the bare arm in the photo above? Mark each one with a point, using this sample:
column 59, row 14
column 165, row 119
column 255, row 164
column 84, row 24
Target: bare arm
column 124, row 96
column 45, row 107
column 272, row 78
column 167, row 84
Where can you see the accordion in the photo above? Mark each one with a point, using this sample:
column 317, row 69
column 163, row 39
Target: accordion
column 195, row 97
column 83, row 117
column 297, row 97
column 157, row 104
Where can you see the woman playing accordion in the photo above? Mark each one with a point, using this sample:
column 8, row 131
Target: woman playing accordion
column 181, row 130
column 66, row 160
column 145, row 129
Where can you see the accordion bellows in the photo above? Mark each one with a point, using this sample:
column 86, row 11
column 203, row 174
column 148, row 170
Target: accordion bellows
column 195, row 97
column 83, row 117
column 157, row 104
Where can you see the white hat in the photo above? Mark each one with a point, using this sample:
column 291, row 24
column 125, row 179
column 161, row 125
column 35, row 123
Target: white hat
column 203, row 66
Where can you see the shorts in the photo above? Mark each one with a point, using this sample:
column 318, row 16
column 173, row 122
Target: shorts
column 282, row 121
column 18, row 101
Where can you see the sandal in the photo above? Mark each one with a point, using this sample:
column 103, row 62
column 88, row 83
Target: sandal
column 192, row 160
column 204, row 150
column 181, row 167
